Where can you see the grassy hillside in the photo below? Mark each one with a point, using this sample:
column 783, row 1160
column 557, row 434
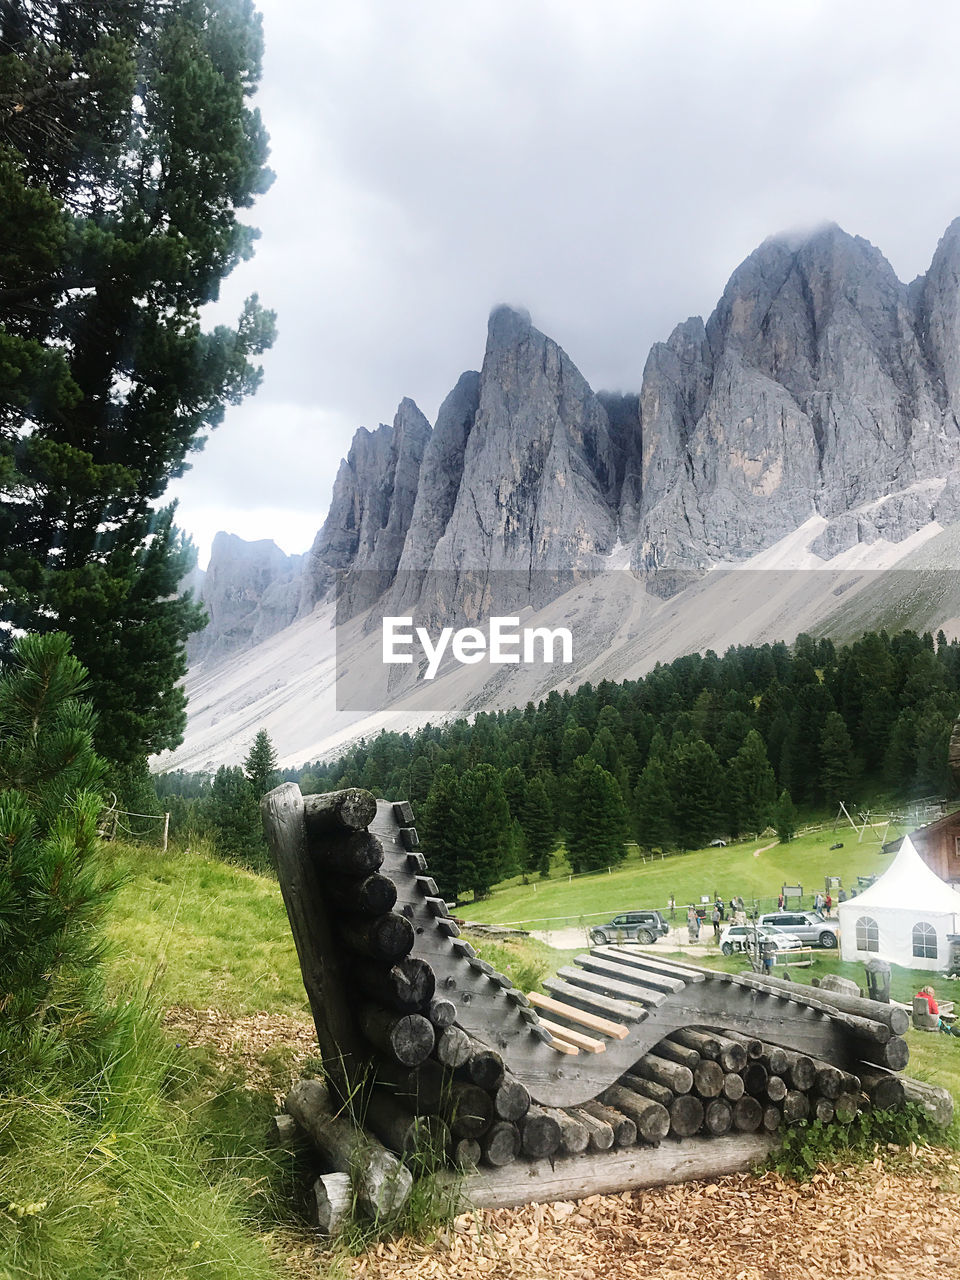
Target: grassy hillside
column 751, row 869
column 204, row 933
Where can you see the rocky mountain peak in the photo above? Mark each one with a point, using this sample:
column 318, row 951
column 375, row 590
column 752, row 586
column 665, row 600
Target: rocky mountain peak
column 250, row 590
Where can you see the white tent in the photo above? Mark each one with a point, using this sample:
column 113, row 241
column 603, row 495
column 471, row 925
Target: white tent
column 904, row 917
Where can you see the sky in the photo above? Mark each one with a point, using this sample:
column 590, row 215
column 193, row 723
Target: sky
column 605, row 165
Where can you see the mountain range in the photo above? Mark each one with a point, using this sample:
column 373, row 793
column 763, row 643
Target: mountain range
column 813, row 422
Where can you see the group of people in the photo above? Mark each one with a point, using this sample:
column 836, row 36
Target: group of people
column 717, row 916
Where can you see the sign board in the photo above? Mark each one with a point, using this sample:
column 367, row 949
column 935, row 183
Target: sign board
column 792, row 891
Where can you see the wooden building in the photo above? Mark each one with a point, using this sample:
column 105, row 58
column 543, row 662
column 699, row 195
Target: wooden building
column 938, row 844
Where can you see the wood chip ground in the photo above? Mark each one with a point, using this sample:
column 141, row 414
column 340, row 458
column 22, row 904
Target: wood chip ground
column 872, row 1222
column 898, row 1219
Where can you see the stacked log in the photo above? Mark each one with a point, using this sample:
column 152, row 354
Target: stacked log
column 425, row 1088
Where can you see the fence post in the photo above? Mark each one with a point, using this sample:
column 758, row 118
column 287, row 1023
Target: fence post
column 166, row 830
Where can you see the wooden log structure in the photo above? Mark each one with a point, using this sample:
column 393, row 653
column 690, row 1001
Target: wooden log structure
column 407, row 985
column 403, row 1132
column 382, row 1184
column 623, row 1050
column 599, row 1131
column 352, row 809
column 367, row 895
column 408, row 1038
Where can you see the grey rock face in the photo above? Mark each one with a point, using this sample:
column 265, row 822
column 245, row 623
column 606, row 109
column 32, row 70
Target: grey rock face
column 823, row 385
column 250, row 591
column 539, row 483
column 441, row 474
column 373, row 501
column 820, row 385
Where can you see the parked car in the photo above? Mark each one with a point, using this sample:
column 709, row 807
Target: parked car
column 744, row 937
column 717, row 844
column 631, row 926
column 809, row 926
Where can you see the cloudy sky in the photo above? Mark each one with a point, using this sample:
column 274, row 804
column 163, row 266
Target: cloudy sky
column 605, row 165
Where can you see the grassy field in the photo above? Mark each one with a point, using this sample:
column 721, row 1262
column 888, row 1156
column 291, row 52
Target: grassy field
column 750, row 869
column 203, row 933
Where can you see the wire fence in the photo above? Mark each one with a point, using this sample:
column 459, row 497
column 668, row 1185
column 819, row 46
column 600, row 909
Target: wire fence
column 116, row 823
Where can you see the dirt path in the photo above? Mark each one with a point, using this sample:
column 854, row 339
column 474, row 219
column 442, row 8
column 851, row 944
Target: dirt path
column 857, row 1223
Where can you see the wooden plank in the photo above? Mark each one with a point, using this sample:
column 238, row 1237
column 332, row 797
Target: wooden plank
column 603, row 1172
column 561, row 1045
column 603, row 1025
column 628, row 973
column 610, row 987
column 624, row 1010
column 677, row 979
column 573, row 1037
column 679, row 968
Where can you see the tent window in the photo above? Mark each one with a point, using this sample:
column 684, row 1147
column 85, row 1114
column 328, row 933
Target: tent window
column 868, row 935
column 925, row 941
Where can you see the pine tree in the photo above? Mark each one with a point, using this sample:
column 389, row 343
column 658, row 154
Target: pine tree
column 751, row 786
column 444, row 843
column 515, row 788
column 127, row 149
column 539, row 828
column 54, row 888
column 482, row 817
column 260, row 765
column 697, row 787
column 785, row 818
column 837, row 765
column 653, row 808
column 596, row 818
column 233, row 813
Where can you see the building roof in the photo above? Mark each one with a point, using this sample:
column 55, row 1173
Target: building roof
column 910, row 885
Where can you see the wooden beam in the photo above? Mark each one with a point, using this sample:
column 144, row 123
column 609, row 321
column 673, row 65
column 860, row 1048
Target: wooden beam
column 573, row 1037
column 603, row 1172
column 603, row 1025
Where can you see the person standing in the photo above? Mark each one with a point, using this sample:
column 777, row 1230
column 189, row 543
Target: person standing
column 715, row 918
column 693, row 924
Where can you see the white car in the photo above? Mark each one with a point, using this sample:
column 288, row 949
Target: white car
column 810, row 926
column 744, row 937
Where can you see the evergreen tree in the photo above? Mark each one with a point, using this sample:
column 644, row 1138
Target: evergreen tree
column 539, row 828
column 837, row 766
column 653, row 808
column 482, row 816
column 419, row 778
column 127, row 149
column 514, row 787
column 785, row 818
column 232, row 812
column 260, row 765
column 697, row 788
column 751, row 786
column 596, row 818
column 54, row 888
column 444, row 843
